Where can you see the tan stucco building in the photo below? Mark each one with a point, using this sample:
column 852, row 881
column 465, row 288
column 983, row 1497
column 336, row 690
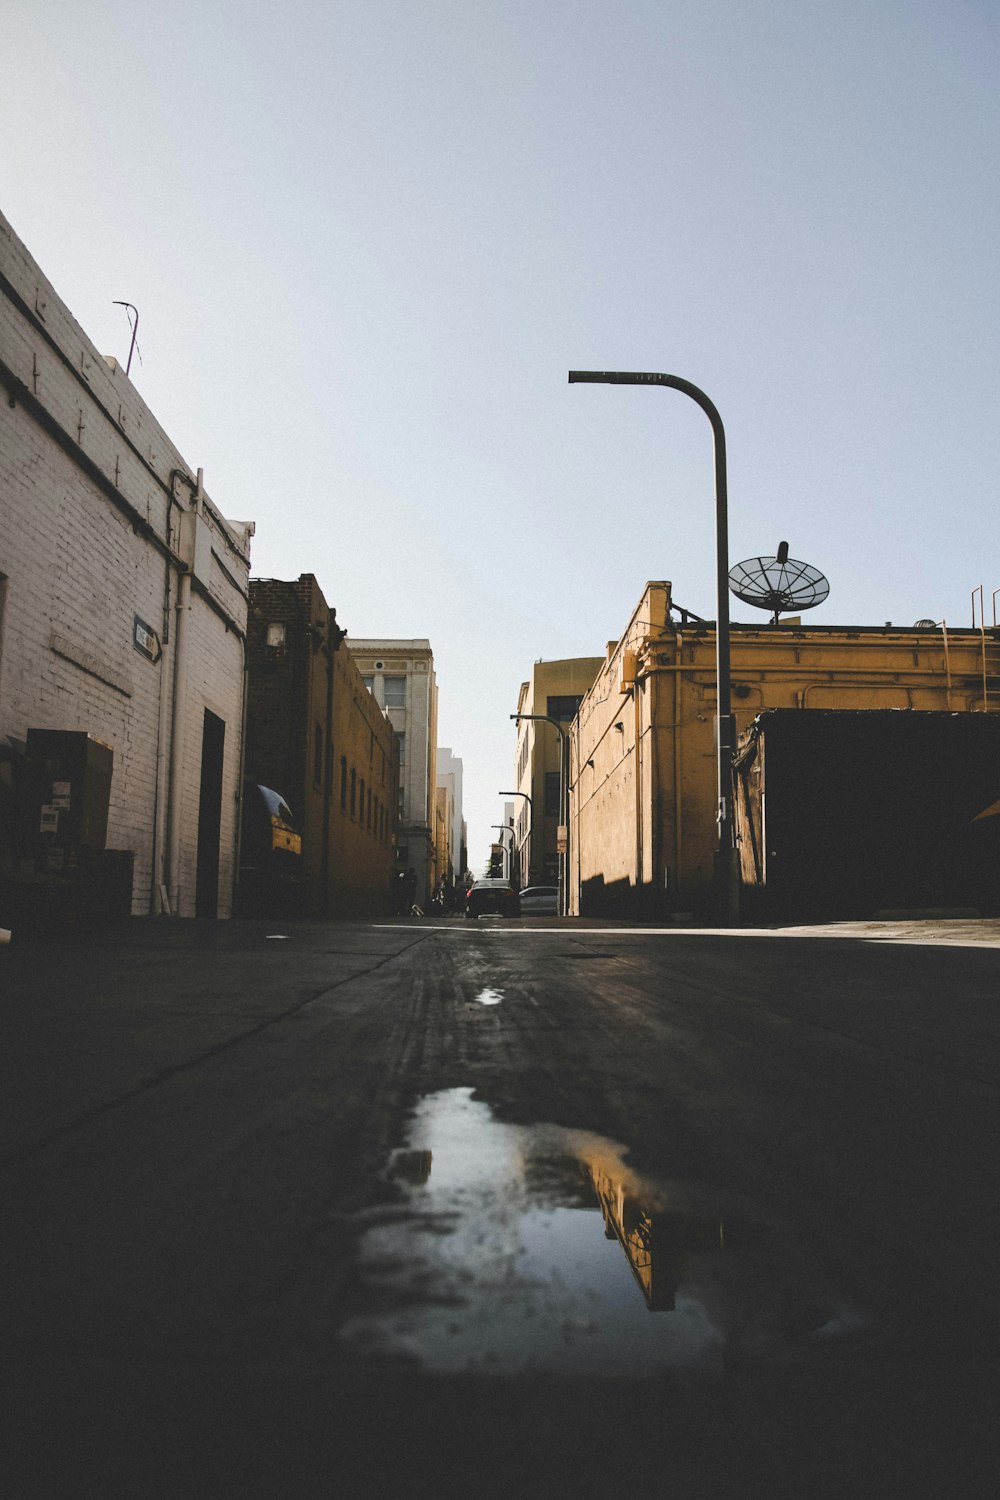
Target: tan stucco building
column 449, row 771
column 642, row 748
column 555, row 688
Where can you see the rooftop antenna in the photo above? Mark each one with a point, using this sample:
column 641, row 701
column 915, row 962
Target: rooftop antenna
column 133, row 347
column 778, row 583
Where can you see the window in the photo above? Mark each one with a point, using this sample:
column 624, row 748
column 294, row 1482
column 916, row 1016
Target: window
column 552, row 794
column 402, row 749
column 276, row 635
column 343, row 783
column 563, row 707
column 369, row 683
column 354, row 791
column 395, row 692
column 368, row 819
column 317, row 755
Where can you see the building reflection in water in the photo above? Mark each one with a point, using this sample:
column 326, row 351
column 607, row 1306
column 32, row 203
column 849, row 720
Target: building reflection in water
column 657, row 1241
column 492, row 1259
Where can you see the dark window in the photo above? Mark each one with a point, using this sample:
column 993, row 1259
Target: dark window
column 552, row 794
column 354, row 792
column 368, row 819
column 563, row 707
column 343, row 783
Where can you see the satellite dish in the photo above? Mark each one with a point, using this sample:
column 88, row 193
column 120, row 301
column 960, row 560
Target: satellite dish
column 778, row 583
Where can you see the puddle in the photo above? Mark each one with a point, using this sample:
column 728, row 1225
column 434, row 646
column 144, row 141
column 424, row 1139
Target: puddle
column 487, row 997
column 520, row 1248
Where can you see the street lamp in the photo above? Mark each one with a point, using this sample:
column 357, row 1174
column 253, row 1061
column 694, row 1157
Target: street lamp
column 724, row 723
column 531, row 810
column 563, row 806
column 507, row 828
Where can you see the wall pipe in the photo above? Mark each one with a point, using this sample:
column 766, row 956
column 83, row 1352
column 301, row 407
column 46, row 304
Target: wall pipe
column 179, row 724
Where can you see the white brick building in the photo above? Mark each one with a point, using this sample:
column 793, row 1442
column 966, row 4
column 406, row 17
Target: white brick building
column 123, row 601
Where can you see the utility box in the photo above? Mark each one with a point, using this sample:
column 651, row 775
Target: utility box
column 67, row 792
column 844, row 813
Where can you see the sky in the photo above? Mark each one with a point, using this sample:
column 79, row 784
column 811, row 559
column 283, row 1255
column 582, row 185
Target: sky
column 368, row 238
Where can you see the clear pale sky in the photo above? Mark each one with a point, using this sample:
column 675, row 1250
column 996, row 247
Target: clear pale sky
column 368, row 238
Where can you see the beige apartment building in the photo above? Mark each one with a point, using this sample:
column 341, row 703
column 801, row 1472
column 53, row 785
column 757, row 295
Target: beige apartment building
column 449, row 787
column 400, row 675
column 554, row 690
column 642, row 752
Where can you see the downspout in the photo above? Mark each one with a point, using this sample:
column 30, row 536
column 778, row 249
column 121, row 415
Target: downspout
column 179, row 725
column 574, row 742
column 678, row 840
column 637, row 717
column 177, row 732
column 238, row 841
column 159, row 896
column 327, row 778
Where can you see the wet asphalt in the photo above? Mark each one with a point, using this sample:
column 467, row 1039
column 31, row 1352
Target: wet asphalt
column 452, row 1208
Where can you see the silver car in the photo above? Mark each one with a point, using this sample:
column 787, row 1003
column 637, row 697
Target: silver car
column 540, row 901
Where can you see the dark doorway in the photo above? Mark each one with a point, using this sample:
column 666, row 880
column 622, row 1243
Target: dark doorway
column 206, row 899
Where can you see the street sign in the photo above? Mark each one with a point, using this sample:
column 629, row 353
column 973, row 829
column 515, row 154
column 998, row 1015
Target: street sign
column 145, row 640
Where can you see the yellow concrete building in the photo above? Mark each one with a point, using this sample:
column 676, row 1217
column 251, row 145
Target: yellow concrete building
column 642, row 748
column 443, row 812
column 555, row 689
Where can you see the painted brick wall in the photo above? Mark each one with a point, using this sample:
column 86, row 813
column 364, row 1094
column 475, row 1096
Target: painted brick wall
column 90, row 484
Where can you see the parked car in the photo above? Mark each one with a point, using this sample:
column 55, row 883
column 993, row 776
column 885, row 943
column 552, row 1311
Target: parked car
column 540, row 901
column 270, row 855
column 492, row 896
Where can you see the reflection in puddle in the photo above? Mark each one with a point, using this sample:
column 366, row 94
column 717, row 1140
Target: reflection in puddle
column 497, row 1261
column 488, row 997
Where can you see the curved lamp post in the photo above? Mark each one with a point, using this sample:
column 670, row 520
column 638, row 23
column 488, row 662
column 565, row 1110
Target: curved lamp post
column 563, row 805
column 507, row 828
column 531, row 814
column 725, row 728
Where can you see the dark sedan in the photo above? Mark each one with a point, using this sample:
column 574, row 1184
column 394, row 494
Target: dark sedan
column 492, row 896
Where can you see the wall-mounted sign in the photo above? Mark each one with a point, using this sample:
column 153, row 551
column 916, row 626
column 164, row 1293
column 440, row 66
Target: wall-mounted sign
column 145, row 640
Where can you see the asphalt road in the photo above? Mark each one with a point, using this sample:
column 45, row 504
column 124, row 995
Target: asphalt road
column 506, row 1207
